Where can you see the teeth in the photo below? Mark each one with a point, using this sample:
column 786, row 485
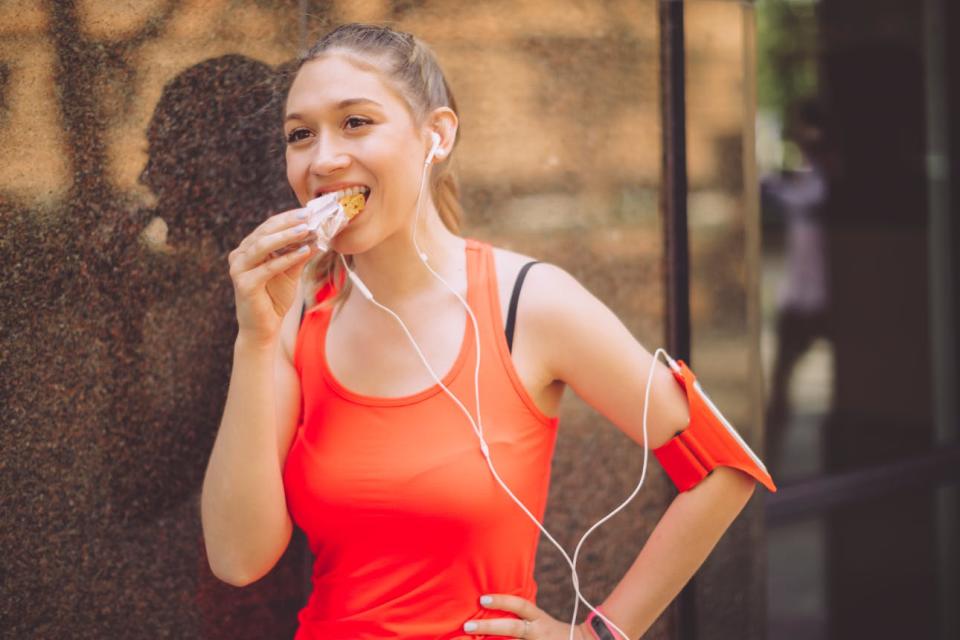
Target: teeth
column 349, row 191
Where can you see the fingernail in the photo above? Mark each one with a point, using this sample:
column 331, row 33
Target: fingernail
column 485, row 600
column 303, row 249
column 469, row 626
column 300, row 228
column 302, row 214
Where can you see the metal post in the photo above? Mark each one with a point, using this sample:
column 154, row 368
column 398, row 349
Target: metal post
column 674, row 207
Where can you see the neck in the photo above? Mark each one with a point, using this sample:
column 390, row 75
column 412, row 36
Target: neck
column 393, row 271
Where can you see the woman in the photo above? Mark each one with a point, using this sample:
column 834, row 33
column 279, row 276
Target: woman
column 339, row 427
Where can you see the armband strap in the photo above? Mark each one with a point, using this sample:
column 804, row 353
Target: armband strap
column 598, row 628
column 708, row 442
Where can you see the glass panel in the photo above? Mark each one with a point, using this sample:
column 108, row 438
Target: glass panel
column 883, row 568
column 796, row 580
column 857, row 156
column 724, row 281
column 859, row 247
column 797, row 355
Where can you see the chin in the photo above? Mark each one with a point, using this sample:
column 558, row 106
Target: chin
column 349, row 244
column 369, row 233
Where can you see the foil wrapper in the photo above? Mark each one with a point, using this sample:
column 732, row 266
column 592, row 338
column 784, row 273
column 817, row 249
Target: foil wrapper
column 325, row 219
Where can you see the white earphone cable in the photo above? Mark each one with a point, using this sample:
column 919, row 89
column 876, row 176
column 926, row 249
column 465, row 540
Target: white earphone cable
column 477, row 425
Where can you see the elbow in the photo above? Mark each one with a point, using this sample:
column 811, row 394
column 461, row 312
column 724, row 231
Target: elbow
column 225, row 567
column 742, row 485
column 734, row 483
column 240, row 566
column 232, row 576
column 748, row 492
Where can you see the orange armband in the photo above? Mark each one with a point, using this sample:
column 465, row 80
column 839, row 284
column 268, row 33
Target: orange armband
column 708, row 442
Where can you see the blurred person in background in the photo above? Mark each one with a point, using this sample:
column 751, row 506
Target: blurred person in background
column 800, row 195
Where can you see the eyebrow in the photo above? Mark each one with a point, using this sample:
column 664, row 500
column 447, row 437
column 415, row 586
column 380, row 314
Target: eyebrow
column 340, row 105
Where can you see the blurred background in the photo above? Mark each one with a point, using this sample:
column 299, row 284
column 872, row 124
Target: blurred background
column 767, row 188
column 857, row 154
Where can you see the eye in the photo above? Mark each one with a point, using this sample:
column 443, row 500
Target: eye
column 294, row 136
column 362, row 121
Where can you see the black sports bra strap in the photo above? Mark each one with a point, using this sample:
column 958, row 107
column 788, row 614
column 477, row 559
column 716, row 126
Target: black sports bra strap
column 514, row 298
column 303, row 312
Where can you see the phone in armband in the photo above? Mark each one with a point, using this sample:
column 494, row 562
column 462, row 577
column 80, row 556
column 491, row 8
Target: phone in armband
column 708, row 442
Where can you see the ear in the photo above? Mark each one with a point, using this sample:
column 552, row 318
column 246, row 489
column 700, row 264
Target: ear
column 445, row 123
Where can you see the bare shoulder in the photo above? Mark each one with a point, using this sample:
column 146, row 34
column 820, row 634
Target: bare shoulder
column 548, row 310
column 570, row 330
column 547, row 288
column 576, row 340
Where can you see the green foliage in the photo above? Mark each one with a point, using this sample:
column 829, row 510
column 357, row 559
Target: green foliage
column 787, row 53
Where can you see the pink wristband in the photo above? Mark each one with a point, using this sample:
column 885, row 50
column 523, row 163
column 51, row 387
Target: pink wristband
column 598, row 628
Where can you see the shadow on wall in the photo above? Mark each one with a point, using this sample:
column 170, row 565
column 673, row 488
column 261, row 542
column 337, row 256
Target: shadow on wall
column 117, row 351
column 214, row 167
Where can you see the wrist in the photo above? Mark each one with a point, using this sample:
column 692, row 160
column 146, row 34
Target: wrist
column 598, row 629
column 250, row 344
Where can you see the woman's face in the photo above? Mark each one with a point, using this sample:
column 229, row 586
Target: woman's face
column 372, row 142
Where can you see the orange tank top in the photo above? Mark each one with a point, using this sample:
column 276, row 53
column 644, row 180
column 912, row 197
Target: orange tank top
column 406, row 522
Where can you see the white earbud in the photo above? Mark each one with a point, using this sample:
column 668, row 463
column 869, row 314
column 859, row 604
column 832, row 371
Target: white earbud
column 357, row 282
column 434, row 148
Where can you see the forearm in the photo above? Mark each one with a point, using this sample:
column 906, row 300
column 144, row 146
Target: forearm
column 242, row 503
column 678, row 545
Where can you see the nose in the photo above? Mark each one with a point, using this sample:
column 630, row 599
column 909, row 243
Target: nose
column 329, row 157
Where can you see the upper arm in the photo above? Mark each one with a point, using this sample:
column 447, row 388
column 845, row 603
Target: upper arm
column 287, row 392
column 584, row 344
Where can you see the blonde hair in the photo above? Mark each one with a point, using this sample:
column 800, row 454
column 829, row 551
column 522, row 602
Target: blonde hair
column 411, row 67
